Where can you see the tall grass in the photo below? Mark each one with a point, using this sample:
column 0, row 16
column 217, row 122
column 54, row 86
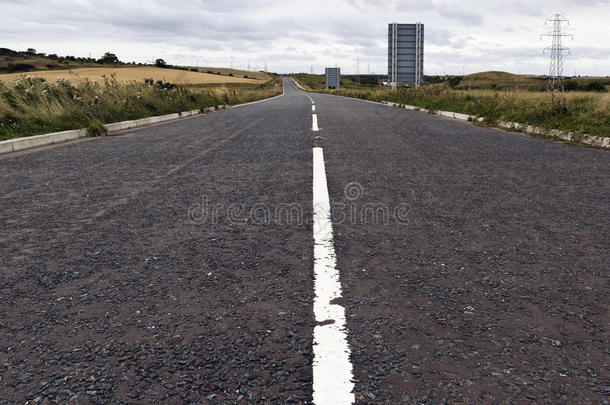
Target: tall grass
column 235, row 93
column 30, row 106
column 575, row 111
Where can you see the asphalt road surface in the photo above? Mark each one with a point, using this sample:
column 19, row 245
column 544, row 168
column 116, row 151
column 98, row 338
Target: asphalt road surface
column 175, row 263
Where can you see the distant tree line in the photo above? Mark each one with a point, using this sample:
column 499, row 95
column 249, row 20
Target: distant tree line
column 162, row 64
column 595, row 85
column 54, row 61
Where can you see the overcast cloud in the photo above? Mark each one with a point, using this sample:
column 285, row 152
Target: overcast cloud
column 459, row 35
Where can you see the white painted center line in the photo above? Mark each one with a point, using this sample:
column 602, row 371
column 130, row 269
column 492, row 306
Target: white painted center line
column 332, row 370
column 313, row 108
column 314, row 122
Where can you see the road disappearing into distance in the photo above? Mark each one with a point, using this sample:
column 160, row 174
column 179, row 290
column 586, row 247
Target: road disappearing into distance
column 305, row 248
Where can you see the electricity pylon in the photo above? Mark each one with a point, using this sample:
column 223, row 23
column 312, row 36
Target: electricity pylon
column 557, row 49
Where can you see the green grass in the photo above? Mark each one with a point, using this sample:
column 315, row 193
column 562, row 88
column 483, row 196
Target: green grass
column 309, row 81
column 581, row 112
column 236, row 72
column 501, row 80
column 318, row 82
column 508, row 81
column 31, row 106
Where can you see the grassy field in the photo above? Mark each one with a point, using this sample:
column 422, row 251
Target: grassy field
column 578, row 111
column 40, row 63
column 131, row 73
column 511, row 98
column 317, row 82
column 236, row 72
column 31, row 106
column 477, row 81
column 504, row 80
column 42, row 93
column 309, row 81
column 501, row 80
column 23, row 61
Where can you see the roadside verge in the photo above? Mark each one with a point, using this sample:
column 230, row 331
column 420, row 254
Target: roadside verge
column 29, row 142
column 552, row 134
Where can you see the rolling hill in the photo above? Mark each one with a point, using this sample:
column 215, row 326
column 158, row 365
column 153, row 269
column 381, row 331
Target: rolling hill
column 132, row 73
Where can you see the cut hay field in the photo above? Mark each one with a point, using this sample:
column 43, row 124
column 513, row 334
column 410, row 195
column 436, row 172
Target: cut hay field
column 128, row 74
column 237, row 72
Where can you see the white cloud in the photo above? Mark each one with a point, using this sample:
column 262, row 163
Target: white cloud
column 467, row 34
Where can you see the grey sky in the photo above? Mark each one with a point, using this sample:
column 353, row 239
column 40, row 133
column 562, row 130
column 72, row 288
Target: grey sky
column 470, row 35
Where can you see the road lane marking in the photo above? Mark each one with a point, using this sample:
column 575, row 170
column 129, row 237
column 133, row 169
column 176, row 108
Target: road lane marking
column 332, row 370
column 297, row 84
column 303, row 90
column 314, row 122
column 313, row 108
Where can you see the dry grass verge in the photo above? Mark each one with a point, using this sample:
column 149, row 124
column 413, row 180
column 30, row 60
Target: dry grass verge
column 31, row 105
column 579, row 112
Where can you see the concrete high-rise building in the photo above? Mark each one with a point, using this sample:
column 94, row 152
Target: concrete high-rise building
column 405, row 54
column 333, row 77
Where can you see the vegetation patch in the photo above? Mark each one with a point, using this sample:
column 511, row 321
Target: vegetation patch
column 577, row 111
column 318, row 82
column 96, row 128
column 32, row 105
column 30, row 60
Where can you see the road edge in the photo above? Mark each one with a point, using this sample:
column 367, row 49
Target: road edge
column 35, row 141
column 595, row 141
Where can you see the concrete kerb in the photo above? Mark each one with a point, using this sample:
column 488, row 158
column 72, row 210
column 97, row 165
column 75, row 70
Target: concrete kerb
column 15, row 145
column 189, row 113
column 590, row 140
column 18, row 144
column 257, row 101
column 448, row 114
column 6, row 147
column 297, row 84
